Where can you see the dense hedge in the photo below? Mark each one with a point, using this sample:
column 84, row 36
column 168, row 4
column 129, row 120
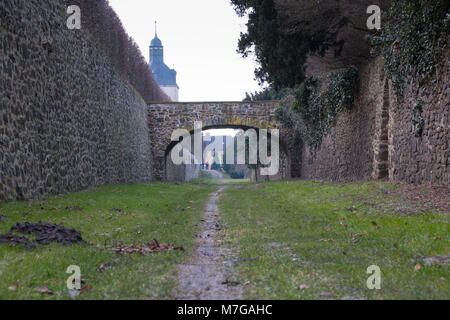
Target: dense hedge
column 123, row 52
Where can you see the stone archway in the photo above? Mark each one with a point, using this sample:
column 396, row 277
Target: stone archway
column 164, row 118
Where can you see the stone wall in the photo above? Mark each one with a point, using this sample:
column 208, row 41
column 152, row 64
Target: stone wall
column 376, row 138
column 67, row 120
column 347, row 153
column 424, row 159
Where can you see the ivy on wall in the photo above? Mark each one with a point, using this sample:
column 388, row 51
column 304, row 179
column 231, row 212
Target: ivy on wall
column 312, row 111
column 416, row 118
column 413, row 37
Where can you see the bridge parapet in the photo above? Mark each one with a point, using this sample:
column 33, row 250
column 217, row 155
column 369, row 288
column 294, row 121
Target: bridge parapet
column 163, row 118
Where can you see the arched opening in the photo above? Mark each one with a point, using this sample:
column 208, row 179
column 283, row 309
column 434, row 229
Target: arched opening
column 221, row 150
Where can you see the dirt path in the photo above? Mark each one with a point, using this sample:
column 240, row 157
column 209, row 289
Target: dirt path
column 206, row 277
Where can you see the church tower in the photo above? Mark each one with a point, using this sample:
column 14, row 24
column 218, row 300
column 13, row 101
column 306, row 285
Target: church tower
column 164, row 76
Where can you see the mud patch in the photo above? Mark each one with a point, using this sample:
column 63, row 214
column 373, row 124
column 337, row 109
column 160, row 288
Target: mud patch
column 45, row 233
column 10, row 238
column 205, row 277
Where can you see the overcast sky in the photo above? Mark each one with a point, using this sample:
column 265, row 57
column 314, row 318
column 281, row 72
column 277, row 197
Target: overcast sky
column 200, row 40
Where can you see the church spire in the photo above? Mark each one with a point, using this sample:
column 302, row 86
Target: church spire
column 156, row 29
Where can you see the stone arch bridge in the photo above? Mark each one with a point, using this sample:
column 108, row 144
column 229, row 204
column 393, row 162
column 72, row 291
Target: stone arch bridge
column 164, row 118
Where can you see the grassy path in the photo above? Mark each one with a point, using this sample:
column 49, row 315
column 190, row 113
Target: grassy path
column 289, row 240
column 165, row 211
column 316, row 240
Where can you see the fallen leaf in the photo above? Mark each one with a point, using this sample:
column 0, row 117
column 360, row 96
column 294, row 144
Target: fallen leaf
column 85, row 289
column 14, row 286
column 303, row 287
column 44, row 290
column 327, row 229
column 356, row 238
column 417, row 267
column 151, row 247
column 374, row 223
column 437, row 238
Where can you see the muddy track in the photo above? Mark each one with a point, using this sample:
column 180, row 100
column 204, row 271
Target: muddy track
column 205, row 276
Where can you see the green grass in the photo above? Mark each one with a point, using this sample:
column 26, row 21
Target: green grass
column 165, row 211
column 293, row 231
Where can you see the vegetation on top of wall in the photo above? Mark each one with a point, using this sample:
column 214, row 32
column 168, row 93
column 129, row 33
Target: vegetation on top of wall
column 281, row 33
column 123, row 53
column 267, row 94
column 312, row 112
column 412, row 40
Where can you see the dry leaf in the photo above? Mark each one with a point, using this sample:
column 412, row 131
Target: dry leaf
column 85, row 289
column 44, row 290
column 14, row 286
column 417, row 267
column 327, row 229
